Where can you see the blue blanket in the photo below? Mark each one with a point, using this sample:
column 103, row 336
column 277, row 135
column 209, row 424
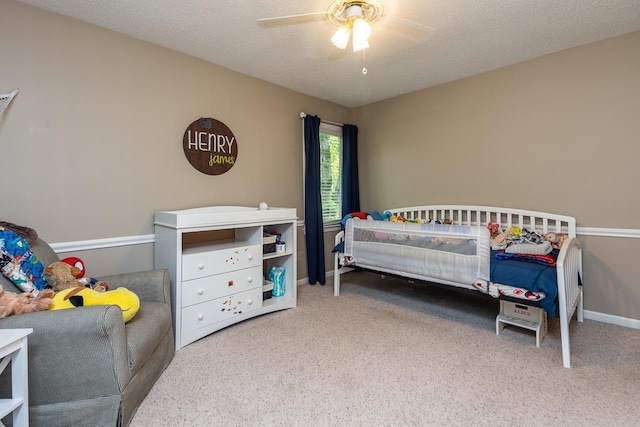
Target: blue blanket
column 529, row 275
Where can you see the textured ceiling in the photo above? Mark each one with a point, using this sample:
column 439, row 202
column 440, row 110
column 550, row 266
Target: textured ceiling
column 472, row 36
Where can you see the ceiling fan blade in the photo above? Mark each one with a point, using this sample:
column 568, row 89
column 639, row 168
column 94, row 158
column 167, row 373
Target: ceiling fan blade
column 291, row 19
column 408, row 29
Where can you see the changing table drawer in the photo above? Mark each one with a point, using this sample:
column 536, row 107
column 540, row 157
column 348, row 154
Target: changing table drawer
column 202, row 262
column 217, row 310
column 212, row 287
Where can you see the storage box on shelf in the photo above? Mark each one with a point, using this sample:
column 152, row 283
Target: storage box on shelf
column 268, row 243
column 217, row 259
column 267, row 289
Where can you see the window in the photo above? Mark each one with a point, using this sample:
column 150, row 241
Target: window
column 331, row 172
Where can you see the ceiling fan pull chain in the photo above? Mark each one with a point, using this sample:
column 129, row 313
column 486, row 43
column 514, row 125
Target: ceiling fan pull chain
column 364, row 61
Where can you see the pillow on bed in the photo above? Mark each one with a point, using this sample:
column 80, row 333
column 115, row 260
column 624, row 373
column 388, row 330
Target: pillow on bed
column 19, row 264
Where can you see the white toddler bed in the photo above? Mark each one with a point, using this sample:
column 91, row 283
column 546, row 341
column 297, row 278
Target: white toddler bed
column 459, row 253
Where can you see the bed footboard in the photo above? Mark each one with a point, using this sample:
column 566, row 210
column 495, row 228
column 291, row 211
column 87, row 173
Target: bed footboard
column 569, row 292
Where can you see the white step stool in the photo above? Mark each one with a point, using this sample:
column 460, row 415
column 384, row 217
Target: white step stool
column 523, row 316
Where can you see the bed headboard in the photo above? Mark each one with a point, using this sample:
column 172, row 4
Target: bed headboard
column 481, row 215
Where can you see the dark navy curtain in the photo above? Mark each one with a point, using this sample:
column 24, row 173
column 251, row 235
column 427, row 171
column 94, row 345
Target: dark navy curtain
column 350, row 184
column 313, row 201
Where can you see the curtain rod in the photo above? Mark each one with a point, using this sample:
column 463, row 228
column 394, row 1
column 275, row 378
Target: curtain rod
column 303, row 115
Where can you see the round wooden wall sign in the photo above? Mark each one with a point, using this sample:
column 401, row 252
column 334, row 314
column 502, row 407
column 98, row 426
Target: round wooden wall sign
column 210, row 146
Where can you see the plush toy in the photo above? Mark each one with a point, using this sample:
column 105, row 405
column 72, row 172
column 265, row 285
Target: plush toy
column 12, row 303
column 77, row 263
column 60, row 275
column 500, row 240
column 494, row 229
column 515, row 232
column 446, row 221
column 556, row 239
column 128, row 301
column 87, row 281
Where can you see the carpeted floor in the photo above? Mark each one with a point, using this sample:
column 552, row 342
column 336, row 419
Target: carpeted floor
column 388, row 352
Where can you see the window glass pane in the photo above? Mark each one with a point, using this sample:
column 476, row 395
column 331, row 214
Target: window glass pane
column 330, row 177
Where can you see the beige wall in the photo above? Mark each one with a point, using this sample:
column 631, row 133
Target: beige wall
column 92, row 145
column 558, row 134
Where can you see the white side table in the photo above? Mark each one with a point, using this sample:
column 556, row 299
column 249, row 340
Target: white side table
column 13, row 348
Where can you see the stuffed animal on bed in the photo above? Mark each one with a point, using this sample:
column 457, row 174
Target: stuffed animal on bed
column 500, row 240
column 494, row 229
column 556, row 239
column 397, row 218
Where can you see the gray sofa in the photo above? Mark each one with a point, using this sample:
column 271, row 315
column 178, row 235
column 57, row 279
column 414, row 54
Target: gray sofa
column 86, row 367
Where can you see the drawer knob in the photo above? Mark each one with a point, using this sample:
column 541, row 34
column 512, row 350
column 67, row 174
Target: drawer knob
column 201, row 266
column 200, row 291
column 249, row 279
column 249, row 301
column 200, row 316
column 250, row 256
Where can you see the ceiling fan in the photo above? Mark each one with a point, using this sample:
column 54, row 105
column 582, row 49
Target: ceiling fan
column 354, row 19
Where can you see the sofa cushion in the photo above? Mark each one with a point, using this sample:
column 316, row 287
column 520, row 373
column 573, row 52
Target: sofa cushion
column 145, row 332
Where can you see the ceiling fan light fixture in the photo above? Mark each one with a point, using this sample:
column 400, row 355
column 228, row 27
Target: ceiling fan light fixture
column 340, row 12
column 353, row 16
column 341, row 37
column 361, row 34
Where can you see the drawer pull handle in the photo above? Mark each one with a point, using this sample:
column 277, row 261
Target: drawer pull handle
column 200, row 316
column 200, row 291
column 201, row 266
column 249, row 301
column 230, row 283
column 249, row 279
column 250, row 257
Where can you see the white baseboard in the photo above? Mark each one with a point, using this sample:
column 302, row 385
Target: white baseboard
column 610, row 318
